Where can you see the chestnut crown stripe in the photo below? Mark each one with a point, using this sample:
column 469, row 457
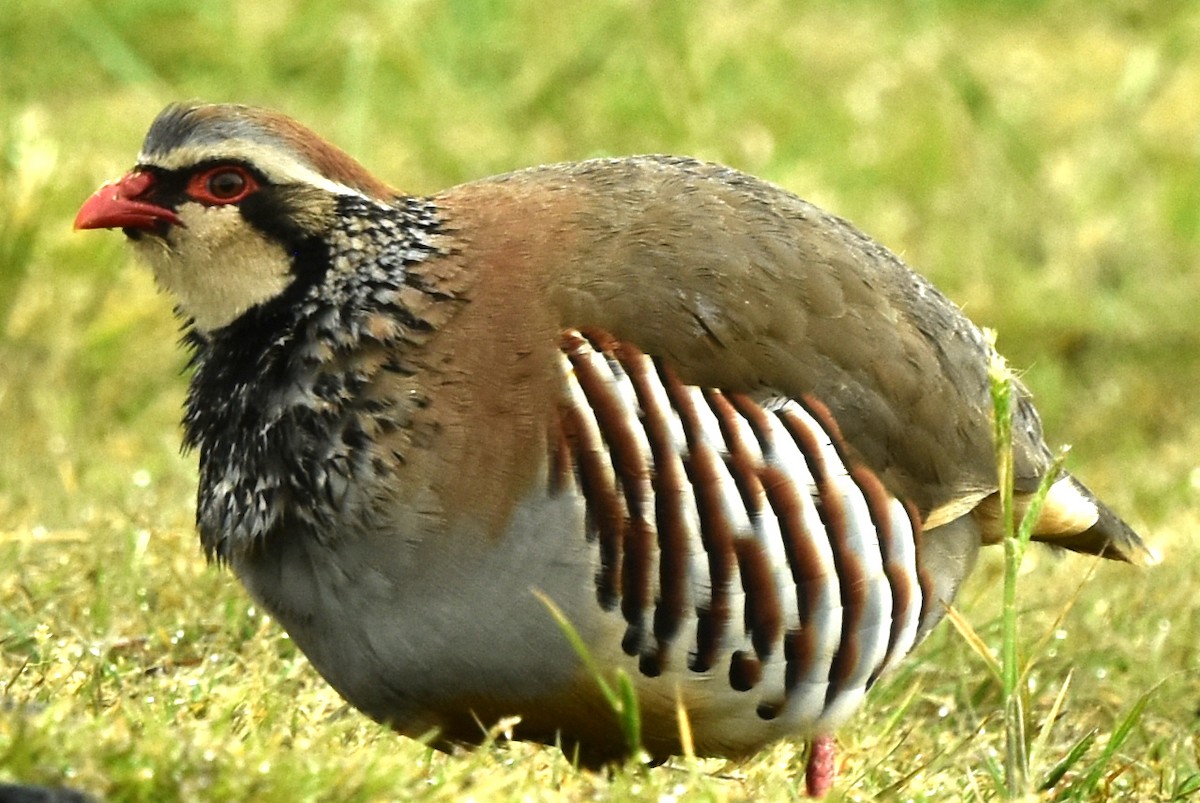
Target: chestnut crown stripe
column 730, row 535
column 279, row 147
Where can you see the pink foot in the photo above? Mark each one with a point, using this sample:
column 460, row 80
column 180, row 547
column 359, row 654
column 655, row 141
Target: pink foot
column 818, row 775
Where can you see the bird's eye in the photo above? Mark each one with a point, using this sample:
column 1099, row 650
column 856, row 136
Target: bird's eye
column 226, row 184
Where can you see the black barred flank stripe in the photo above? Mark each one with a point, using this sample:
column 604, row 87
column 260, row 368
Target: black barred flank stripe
column 703, row 468
column 741, row 521
column 806, row 440
column 745, row 671
column 639, row 543
column 900, row 581
column 632, row 479
column 669, row 483
column 605, row 517
column 741, row 461
column 852, row 583
column 852, row 580
column 826, row 423
column 764, row 619
column 806, row 567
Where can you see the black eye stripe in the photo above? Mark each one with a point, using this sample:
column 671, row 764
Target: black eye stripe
column 169, row 188
column 170, row 184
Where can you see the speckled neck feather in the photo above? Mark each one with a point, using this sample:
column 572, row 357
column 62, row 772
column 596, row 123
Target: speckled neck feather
column 291, row 372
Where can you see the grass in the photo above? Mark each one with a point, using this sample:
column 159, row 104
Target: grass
column 1040, row 161
column 1014, row 779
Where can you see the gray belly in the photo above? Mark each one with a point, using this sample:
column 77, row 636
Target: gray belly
column 406, row 628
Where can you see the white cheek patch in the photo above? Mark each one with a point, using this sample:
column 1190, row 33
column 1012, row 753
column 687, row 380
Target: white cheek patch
column 218, row 266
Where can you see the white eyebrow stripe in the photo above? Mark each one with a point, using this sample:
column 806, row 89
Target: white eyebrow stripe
column 277, row 167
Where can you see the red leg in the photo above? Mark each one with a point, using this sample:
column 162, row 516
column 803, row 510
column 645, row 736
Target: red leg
column 818, row 775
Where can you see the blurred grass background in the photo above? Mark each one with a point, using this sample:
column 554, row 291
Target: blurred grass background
column 1040, row 161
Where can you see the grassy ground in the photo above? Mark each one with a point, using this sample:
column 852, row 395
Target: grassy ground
column 1040, row 161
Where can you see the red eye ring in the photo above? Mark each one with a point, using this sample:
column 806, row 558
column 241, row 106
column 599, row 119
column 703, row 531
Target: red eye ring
column 223, row 184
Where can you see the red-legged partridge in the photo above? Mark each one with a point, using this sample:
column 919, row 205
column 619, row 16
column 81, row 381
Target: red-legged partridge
column 743, row 448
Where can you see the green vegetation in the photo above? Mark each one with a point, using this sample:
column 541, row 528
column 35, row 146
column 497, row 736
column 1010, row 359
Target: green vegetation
column 1040, row 161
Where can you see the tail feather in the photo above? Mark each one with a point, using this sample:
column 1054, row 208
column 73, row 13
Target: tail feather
column 1108, row 536
column 1073, row 518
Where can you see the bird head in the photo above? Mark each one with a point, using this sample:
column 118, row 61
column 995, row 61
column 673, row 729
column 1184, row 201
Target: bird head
column 221, row 202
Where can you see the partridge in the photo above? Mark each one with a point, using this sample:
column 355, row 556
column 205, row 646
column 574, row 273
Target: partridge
column 742, row 448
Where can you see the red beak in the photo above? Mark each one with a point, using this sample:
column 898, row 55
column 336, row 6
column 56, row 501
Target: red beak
column 116, row 206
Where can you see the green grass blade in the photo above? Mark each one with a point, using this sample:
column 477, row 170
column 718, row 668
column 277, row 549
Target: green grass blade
column 629, row 714
column 1187, row 788
column 585, row 655
column 1068, row 761
column 1016, row 758
column 622, row 700
column 1119, row 735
